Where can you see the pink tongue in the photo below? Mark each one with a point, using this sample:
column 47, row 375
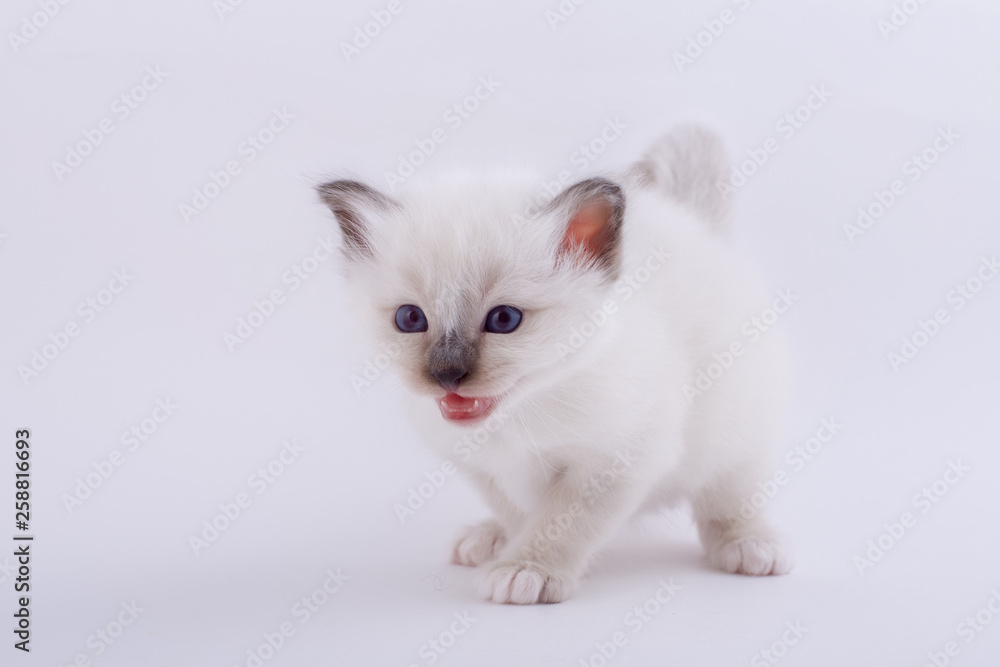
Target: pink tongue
column 458, row 407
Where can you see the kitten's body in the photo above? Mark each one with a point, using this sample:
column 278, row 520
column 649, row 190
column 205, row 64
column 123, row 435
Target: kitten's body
column 596, row 412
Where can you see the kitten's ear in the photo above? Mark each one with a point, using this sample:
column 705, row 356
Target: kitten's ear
column 356, row 207
column 595, row 210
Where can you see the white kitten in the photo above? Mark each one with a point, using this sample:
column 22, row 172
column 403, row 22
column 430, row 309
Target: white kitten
column 583, row 357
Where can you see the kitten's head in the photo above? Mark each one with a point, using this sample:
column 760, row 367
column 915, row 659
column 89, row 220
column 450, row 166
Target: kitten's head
column 477, row 288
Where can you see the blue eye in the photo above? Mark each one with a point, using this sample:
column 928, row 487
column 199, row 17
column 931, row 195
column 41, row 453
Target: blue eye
column 410, row 319
column 503, row 319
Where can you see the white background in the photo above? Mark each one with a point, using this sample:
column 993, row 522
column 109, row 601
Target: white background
column 163, row 335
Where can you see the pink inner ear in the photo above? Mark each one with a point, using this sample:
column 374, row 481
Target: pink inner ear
column 588, row 228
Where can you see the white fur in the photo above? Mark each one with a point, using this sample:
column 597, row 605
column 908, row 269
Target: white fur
column 452, row 247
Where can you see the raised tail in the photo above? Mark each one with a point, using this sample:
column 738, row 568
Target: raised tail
column 687, row 164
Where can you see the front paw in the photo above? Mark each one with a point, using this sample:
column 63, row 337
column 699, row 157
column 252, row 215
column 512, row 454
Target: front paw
column 754, row 555
column 478, row 544
column 523, row 582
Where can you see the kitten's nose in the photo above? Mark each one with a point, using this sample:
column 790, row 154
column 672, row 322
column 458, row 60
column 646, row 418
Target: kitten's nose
column 449, row 378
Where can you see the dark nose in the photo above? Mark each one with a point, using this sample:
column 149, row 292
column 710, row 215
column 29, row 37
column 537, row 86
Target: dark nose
column 449, row 378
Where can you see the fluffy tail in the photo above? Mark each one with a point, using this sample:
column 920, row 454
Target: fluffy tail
column 687, row 164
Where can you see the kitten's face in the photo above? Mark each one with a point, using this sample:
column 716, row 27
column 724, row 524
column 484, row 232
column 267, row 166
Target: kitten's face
column 477, row 297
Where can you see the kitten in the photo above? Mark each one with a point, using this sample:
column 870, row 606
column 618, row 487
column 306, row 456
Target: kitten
column 589, row 351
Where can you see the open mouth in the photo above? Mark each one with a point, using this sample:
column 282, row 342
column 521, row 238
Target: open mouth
column 465, row 408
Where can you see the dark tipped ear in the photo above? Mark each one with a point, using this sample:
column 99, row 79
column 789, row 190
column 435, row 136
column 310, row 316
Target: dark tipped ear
column 595, row 211
column 356, row 206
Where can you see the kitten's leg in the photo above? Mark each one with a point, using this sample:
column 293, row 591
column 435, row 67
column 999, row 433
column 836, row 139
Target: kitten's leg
column 547, row 557
column 478, row 544
column 481, row 543
column 738, row 543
